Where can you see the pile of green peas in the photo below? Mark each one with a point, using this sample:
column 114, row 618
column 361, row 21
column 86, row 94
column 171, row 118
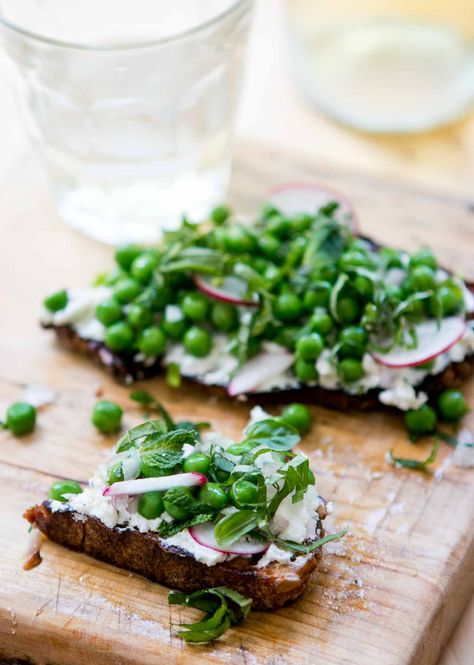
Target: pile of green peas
column 309, row 313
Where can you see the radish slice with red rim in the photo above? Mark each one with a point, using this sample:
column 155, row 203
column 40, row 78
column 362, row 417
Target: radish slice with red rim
column 204, row 535
column 296, row 197
column 432, row 342
column 231, row 290
column 260, row 369
column 161, row 484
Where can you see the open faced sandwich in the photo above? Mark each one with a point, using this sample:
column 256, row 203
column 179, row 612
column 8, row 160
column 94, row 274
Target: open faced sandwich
column 295, row 304
column 193, row 512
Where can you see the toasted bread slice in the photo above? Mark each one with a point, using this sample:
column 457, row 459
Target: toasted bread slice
column 270, row 587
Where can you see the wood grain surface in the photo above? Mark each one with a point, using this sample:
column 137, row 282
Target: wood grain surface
column 389, row 594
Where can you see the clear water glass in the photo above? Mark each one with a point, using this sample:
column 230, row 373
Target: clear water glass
column 385, row 65
column 131, row 104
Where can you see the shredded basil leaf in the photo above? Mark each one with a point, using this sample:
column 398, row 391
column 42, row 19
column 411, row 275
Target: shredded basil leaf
column 234, row 526
column 418, row 465
column 307, row 549
column 223, row 606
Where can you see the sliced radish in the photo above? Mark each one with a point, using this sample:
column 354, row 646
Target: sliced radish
column 260, row 369
column 232, row 290
column 295, row 197
column 432, row 341
column 204, row 535
column 161, row 484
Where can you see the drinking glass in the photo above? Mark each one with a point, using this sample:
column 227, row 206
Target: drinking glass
column 131, row 105
column 385, row 65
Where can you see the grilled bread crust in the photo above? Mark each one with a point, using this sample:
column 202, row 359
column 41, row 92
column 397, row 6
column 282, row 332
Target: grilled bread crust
column 270, row 587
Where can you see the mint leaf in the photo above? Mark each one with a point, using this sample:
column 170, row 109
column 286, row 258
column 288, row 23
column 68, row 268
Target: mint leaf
column 168, row 529
column 297, row 477
column 272, row 433
column 136, row 435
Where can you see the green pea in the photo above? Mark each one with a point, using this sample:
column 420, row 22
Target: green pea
column 451, row 298
column 243, row 493
column 213, row 495
column 143, row 266
column 415, row 311
column 353, row 342
column 197, row 462
column 301, row 222
column 152, row 341
column 355, row 259
column 364, row 287
column 119, row 336
column 452, row 405
column 56, row 301
column 237, row 239
column 350, row 370
column 126, row 290
column 195, row 306
column 150, row 505
column 309, row 347
column 279, row 226
column 423, row 278
column 299, row 416
column 305, row 370
column 175, row 501
column 126, row 254
column 60, row 488
column 318, row 295
column 348, row 309
column 174, row 322
column 139, row 316
column 21, row 418
column 239, row 449
column 287, row 337
column 197, row 341
column 321, row 322
column 287, row 307
column 220, row 214
column 154, row 299
column 108, row 311
column 393, row 257
column 424, row 257
column 107, row 416
column 111, row 278
column 422, row 420
column 224, row 317
column 269, row 246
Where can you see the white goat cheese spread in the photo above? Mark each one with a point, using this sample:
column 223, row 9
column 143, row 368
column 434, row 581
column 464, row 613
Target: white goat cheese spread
column 292, row 521
column 398, row 386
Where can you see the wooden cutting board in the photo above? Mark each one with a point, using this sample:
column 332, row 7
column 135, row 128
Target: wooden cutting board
column 389, row 594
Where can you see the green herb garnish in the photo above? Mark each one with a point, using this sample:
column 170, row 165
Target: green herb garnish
column 418, row 465
column 223, row 608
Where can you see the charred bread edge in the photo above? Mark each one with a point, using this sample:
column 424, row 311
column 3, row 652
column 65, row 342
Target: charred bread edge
column 270, row 587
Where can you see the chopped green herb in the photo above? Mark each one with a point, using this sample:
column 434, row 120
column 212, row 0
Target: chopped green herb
column 224, row 607
column 418, row 465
